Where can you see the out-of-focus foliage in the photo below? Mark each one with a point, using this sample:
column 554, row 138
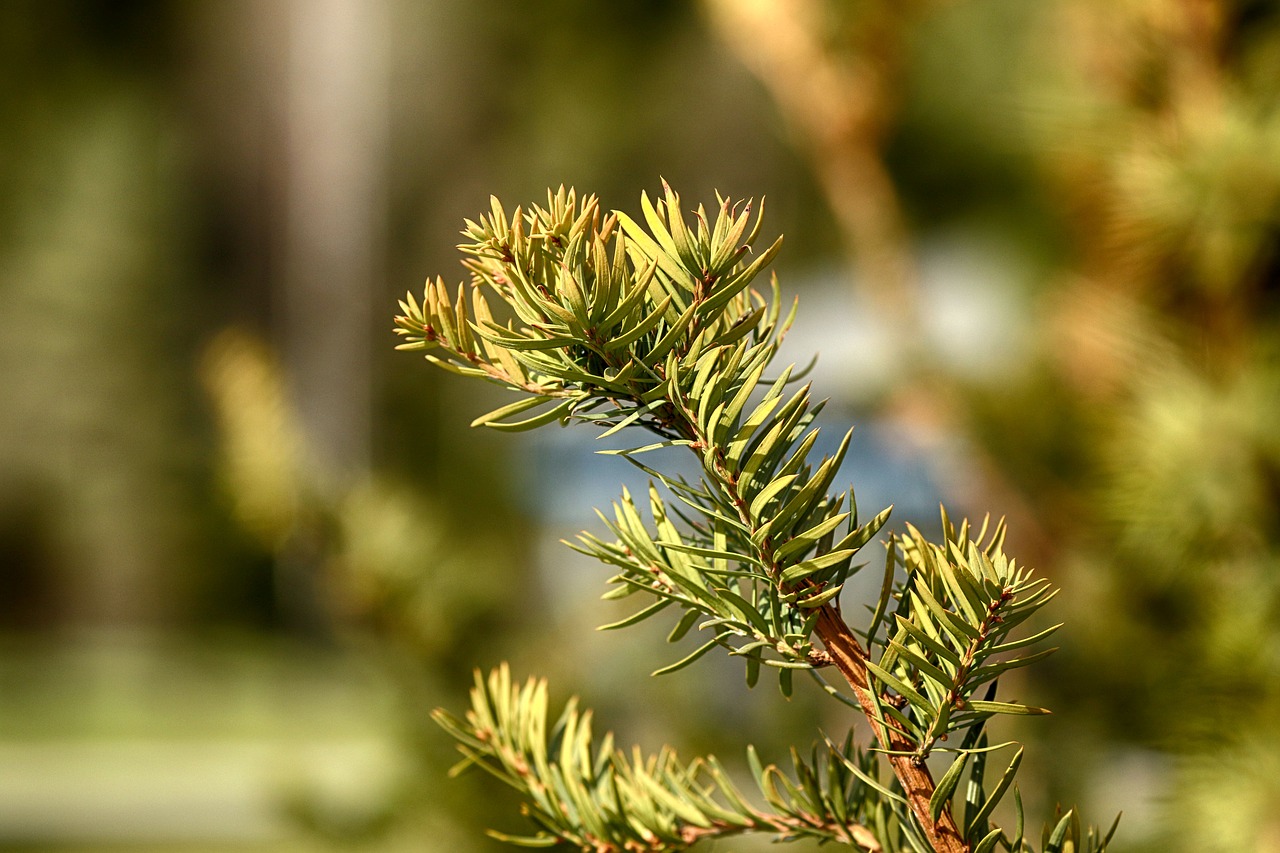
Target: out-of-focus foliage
column 364, row 546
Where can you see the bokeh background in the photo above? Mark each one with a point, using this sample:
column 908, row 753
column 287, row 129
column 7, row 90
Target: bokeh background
column 245, row 547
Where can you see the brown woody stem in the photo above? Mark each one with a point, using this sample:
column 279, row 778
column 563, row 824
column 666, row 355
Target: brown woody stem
column 850, row 658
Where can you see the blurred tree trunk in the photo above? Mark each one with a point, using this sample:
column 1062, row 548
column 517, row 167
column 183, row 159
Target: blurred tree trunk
column 335, row 127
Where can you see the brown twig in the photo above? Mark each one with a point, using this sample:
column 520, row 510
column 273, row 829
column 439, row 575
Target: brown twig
column 917, row 782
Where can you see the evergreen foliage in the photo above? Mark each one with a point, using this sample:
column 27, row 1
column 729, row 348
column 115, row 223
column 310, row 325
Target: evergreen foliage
column 658, row 327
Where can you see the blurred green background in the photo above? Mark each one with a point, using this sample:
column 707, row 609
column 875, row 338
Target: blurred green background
column 245, row 547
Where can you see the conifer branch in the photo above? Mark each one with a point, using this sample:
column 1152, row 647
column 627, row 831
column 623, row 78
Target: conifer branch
column 609, row 322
